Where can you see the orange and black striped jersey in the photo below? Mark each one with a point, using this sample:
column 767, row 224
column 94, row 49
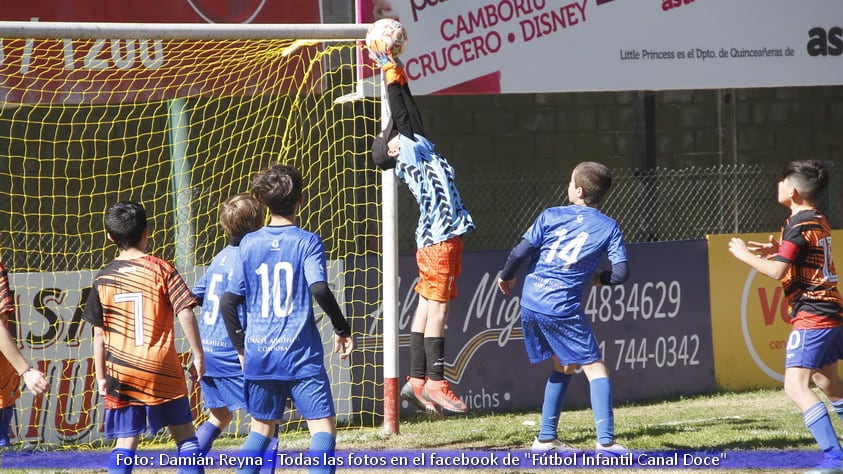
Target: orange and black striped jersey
column 810, row 286
column 135, row 302
column 9, row 378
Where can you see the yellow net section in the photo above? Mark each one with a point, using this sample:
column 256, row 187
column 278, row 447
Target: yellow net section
column 179, row 126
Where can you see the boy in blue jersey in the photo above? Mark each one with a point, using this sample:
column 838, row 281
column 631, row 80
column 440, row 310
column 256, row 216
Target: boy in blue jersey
column 564, row 246
column 443, row 219
column 222, row 385
column 281, row 268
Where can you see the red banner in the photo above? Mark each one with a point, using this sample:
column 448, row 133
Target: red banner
column 164, row 11
column 107, row 70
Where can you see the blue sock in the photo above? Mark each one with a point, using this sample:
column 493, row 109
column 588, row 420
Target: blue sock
column 601, row 406
column 271, row 454
column 255, row 446
column 554, row 396
column 817, row 420
column 189, row 449
column 119, row 465
column 206, row 435
column 323, row 444
column 6, row 415
column 838, row 407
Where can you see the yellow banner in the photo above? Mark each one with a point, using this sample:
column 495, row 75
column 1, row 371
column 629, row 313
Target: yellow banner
column 749, row 320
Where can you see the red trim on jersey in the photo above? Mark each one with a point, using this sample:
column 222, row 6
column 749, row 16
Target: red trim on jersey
column 788, row 250
column 808, row 320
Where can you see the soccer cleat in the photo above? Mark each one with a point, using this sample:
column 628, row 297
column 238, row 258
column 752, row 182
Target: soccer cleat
column 439, row 392
column 613, row 448
column 553, row 445
column 412, row 392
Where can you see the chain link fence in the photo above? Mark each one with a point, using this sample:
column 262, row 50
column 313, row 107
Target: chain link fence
column 654, row 205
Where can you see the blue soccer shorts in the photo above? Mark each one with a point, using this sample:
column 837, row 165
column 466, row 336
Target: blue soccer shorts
column 814, row 348
column 267, row 399
column 224, row 392
column 569, row 338
column 132, row 420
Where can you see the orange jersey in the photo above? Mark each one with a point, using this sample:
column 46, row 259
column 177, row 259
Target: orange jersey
column 135, row 302
column 810, row 285
column 9, row 378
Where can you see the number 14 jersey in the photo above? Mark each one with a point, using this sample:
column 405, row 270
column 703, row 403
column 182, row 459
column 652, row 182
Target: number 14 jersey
column 571, row 241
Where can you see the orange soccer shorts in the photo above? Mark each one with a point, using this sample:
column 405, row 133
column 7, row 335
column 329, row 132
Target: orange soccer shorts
column 439, row 266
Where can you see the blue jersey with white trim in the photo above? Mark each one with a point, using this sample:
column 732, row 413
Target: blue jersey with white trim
column 278, row 266
column 430, row 178
column 220, row 356
column 570, row 241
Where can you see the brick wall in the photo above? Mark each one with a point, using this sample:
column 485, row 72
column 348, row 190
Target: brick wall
column 511, row 133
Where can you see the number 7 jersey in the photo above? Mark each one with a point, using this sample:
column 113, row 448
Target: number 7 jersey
column 135, row 302
column 571, row 240
column 278, row 266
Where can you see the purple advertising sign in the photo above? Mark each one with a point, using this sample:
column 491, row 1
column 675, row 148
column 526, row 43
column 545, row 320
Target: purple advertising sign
column 654, row 330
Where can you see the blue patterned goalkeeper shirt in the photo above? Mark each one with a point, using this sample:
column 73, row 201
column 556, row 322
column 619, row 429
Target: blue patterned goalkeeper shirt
column 430, row 177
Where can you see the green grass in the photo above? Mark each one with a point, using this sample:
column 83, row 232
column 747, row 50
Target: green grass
column 761, row 419
column 753, row 420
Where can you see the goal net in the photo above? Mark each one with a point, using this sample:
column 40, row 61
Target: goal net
column 179, row 125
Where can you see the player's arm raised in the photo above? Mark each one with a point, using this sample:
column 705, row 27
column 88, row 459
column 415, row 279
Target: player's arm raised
column 774, row 269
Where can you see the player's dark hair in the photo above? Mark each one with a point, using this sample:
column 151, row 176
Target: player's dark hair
column 125, row 222
column 809, row 177
column 595, row 179
column 279, row 188
column 240, row 215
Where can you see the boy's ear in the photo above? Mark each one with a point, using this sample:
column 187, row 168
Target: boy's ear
column 110, row 238
column 380, row 154
column 380, row 147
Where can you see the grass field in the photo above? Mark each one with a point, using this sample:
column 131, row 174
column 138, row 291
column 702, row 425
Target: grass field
column 755, row 421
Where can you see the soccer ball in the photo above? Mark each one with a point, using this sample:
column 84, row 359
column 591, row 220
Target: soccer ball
column 386, row 37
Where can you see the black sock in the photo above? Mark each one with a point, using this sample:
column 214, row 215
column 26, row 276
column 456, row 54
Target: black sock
column 434, row 348
column 418, row 362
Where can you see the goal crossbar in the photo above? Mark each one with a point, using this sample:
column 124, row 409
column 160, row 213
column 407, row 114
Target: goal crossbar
column 188, row 31
column 106, row 89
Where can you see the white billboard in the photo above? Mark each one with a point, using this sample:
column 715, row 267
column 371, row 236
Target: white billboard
column 519, row 46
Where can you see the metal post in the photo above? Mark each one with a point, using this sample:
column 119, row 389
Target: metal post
column 181, row 181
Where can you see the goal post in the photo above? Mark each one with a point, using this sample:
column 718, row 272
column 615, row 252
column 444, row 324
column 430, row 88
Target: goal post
column 179, row 117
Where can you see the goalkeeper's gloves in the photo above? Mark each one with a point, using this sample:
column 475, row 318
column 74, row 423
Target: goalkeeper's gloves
column 381, row 59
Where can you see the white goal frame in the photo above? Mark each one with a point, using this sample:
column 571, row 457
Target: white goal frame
column 304, row 32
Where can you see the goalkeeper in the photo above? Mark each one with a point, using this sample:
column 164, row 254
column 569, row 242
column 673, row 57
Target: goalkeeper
column 443, row 220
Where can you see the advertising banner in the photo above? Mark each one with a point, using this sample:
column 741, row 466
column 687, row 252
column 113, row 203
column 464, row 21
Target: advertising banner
column 113, row 70
column 749, row 318
column 653, row 330
column 517, row 46
column 49, row 328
